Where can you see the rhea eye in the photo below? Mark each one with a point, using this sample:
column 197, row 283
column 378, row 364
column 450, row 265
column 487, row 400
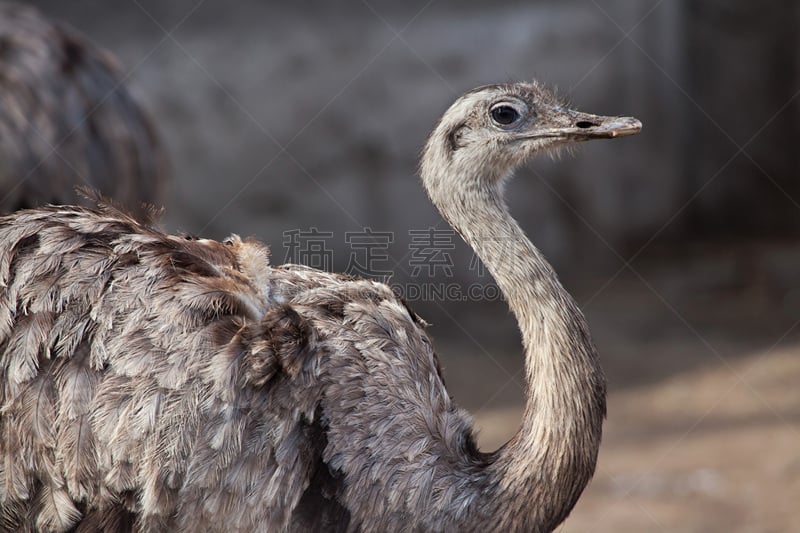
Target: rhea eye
column 504, row 115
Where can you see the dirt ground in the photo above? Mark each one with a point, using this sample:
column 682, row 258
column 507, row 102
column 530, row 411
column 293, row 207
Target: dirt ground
column 703, row 430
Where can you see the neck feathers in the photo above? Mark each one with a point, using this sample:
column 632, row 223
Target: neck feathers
column 545, row 467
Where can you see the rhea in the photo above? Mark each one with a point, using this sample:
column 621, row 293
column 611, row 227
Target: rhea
column 162, row 383
column 68, row 119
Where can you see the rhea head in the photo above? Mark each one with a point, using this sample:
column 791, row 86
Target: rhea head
column 490, row 131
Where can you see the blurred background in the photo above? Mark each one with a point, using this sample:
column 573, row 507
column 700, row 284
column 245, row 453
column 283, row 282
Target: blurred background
column 301, row 125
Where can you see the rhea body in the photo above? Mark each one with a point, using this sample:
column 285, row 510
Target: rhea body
column 155, row 382
column 67, row 119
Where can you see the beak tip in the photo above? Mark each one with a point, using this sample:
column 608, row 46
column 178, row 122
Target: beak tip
column 624, row 126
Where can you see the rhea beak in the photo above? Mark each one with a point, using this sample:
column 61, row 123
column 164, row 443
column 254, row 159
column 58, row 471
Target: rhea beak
column 579, row 126
column 596, row 127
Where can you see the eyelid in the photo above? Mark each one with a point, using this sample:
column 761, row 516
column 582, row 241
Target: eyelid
column 520, row 107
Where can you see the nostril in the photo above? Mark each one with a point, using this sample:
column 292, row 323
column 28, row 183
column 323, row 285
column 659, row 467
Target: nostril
column 585, row 124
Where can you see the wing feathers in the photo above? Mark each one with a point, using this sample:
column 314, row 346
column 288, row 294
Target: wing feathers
column 56, row 510
column 153, row 381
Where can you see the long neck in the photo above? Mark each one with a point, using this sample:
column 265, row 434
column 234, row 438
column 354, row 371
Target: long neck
column 538, row 476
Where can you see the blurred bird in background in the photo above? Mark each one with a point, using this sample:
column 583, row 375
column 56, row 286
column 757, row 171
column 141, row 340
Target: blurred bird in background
column 67, row 120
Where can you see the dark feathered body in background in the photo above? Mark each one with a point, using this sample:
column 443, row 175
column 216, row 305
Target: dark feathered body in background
column 67, row 119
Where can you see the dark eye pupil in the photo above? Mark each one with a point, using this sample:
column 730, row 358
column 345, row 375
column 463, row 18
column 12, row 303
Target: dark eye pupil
column 505, row 115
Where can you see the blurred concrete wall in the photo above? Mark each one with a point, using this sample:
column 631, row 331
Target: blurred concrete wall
column 282, row 116
column 743, row 78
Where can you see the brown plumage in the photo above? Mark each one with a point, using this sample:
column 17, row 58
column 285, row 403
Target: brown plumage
column 160, row 383
column 67, row 120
